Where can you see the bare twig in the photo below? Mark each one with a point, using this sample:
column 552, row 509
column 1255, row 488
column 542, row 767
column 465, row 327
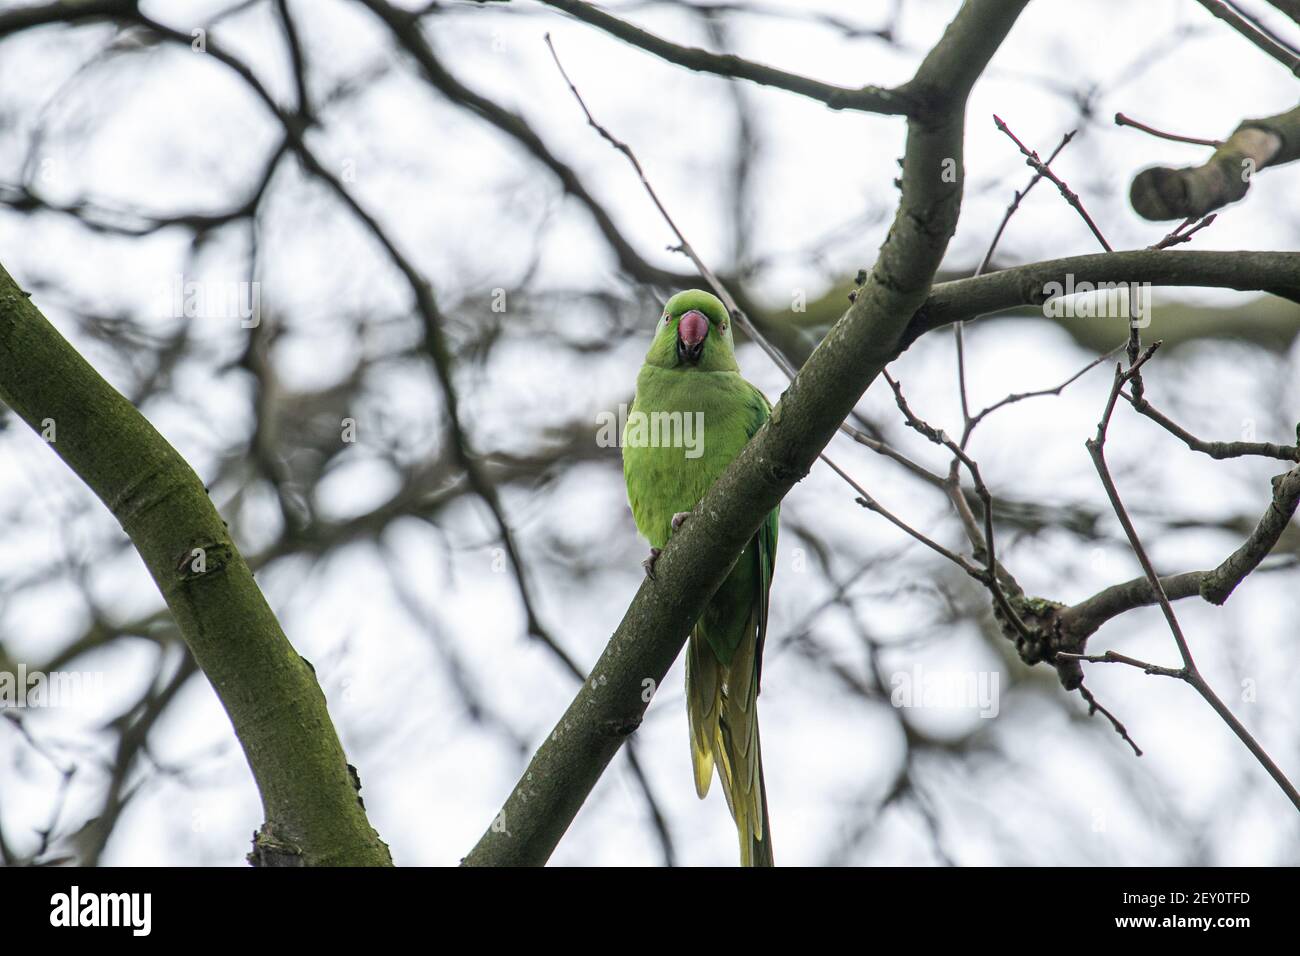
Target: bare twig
column 1016, row 201
column 1113, row 657
column 867, row 501
column 1032, row 159
column 1248, row 30
column 1180, row 236
column 1189, row 671
column 992, row 568
column 1055, row 390
column 1095, row 707
column 958, row 328
column 872, row 99
column 1122, row 120
column 1218, row 450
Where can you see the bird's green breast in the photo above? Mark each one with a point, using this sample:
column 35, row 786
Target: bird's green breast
column 684, row 428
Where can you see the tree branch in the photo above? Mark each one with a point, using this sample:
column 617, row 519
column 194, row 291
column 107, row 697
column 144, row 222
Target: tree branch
column 611, row 704
column 871, row 99
column 1290, row 7
column 312, row 810
column 85, row 11
column 1165, row 193
column 1275, row 272
column 1217, row 450
column 1081, row 620
column 1189, row 671
column 1249, row 30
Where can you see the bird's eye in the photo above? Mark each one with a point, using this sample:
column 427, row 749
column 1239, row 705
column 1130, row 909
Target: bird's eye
column 722, row 327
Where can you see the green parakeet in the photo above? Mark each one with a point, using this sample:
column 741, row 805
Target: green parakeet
column 692, row 415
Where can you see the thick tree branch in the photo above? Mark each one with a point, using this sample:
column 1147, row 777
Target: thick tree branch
column 313, row 814
column 1275, row 272
column 611, row 704
column 1165, row 193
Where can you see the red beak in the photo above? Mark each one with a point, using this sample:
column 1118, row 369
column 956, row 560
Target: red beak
column 692, row 329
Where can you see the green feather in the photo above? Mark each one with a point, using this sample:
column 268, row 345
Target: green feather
column 724, row 657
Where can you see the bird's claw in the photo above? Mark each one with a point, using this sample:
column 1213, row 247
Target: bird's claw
column 649, row 563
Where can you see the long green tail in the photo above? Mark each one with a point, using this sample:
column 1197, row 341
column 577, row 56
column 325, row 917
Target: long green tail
column 722, row 706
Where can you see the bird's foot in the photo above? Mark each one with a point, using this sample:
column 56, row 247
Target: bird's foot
column 679, row 519
column 649, row 563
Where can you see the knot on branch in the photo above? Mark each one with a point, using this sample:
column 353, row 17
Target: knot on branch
column 356, row 782
column 270, row 850
column 1034, row 292
column 623, row 726
column 203, row 557
column 1045, row 636
column 928, row 103
column 1217, row 586
column 782, row 473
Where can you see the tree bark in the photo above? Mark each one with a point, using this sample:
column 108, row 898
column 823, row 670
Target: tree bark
column 313, row 813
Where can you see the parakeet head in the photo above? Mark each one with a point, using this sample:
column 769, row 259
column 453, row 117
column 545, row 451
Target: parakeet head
column 694, row 332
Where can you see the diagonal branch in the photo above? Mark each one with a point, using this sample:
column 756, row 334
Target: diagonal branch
column 86, row 11
column 309, row 797
column 738, row 315
column 1217, row 450
column 871, row 99
column 1251, row 32
column 1189, row 672
column 1043, row 169
column 611, row 704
